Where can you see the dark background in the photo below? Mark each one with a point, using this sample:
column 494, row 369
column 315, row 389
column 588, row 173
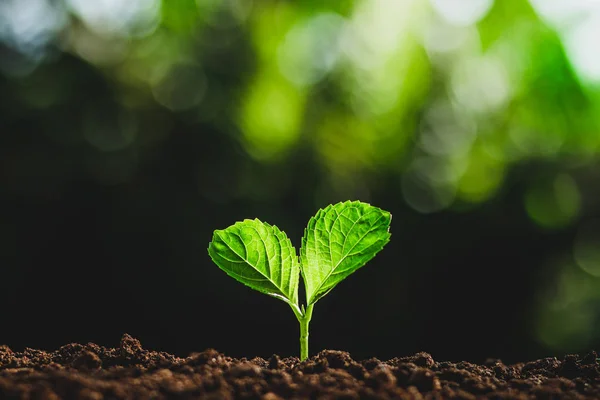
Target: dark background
column 129, row 133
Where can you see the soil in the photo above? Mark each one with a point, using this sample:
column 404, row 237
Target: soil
column 90, row 371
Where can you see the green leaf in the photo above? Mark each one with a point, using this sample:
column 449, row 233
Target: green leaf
column 338, row 240
column 259, row 256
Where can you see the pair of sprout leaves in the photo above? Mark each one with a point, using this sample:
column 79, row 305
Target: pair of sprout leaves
column 338, row 240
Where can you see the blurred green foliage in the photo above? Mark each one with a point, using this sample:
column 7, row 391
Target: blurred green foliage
column 447, row 96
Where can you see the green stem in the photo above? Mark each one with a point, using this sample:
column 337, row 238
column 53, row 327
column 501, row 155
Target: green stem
column 304, row 323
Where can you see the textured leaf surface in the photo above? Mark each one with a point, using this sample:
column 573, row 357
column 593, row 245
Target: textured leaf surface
column 338, row 240
column 258, row 255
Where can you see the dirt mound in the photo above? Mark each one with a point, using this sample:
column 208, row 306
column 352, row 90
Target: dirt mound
column 94, row 372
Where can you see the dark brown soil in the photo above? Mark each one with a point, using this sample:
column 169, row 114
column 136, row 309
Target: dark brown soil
column 90, row 371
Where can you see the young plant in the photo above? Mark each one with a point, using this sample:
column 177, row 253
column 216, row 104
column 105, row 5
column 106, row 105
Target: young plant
column 338, row 240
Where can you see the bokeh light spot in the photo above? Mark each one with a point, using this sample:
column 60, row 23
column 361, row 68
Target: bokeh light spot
column 578, row 24
column 445, row 132
column 428, row 185
column 224, row 13
column 271, row 116
column 108, row 129
column 28, row 27
column 311, row 48
column 565, row 316
column 97, row 49
column 569, row 328
column 482, row 177
column 462, row 12
column 553, row 204
column 116, row 17
column 581, row 43
column 377, row 30
column 345, row 143
column 563, row 14
column 181, row 87
column 380, row 49
column 481, row 83
column 441, row 37
column 528, row 141
column 586, row 249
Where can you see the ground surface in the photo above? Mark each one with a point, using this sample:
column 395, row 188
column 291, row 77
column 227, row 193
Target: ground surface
column 94, row 372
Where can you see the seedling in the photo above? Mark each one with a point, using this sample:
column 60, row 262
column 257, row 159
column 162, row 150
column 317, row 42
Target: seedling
column 338, row 240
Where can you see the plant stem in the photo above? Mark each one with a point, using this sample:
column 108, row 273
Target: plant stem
column 304, row 323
